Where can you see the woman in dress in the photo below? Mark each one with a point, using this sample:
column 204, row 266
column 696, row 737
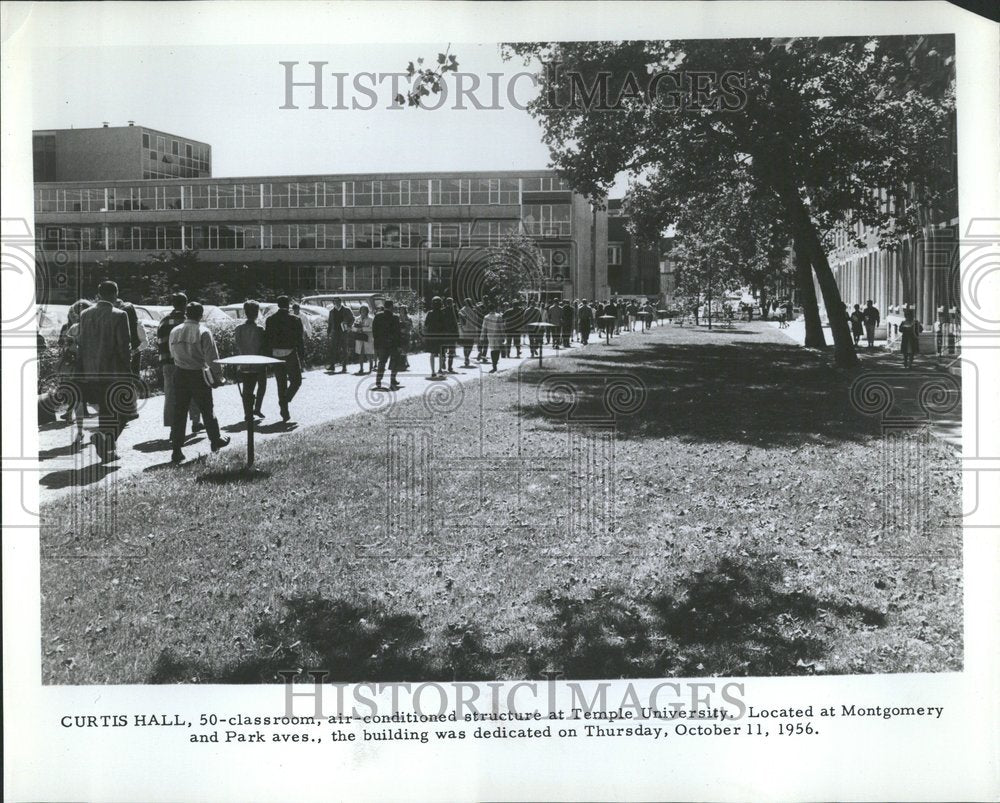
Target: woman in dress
column 364, row 348
column 909, row 333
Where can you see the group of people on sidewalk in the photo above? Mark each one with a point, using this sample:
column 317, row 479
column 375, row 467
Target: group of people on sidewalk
column 867, row 320
column 102, row 340
column 99, row 365
column 498, row 329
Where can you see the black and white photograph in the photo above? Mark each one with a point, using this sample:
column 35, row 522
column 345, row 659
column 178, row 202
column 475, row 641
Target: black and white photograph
column 549, row 359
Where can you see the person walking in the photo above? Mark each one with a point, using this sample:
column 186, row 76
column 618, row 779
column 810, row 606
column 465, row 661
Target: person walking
column 364, row 348
column 249, row 337
column 468, row 328
column 871, row 318
column 69, row 343
column 172, row 320
column 512, row 338
column 451, row 335
column 567, row 324
column 285, row 339
column 493, row 333
column 909, row 335
column 435, row 335
column 554, row 313
column 610, row 311
column 193, row 350
column 387, row 339
column 585, row 318
column 405, row 328
column 857, row 323
column 104, row 368
column 533, row 315
column 338, row 327
column 137, row 340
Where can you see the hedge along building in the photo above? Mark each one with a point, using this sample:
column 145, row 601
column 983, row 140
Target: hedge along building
column 325, row 233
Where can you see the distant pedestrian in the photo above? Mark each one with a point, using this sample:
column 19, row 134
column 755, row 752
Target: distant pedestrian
column 193, row 349
column 387, row 339
column 493, row 332
column 364, row 347
column 468, row 329
column 567, row 324
column 532, row 317
column 857, row 323
column 585, row 320
column 249, row 337
column 405, row 330
column 871, row 317
column 104, row 368
column 909, row 333
column 171, row 321
column 451, row 335
column 338, row 328
column 286, row 341
column 435, row 336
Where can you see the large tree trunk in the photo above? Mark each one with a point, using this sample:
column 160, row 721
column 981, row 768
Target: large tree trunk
column 804, row 231
column 807, row 292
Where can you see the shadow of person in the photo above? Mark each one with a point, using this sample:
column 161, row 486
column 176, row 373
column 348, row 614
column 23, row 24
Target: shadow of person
column 77, row 477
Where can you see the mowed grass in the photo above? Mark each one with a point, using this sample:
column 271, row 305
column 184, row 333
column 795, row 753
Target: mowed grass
column 730, row 523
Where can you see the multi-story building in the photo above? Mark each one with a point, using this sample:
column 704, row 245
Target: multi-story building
column 919, row 271
column 633, row 266
column 117, row 153
column 328, row 233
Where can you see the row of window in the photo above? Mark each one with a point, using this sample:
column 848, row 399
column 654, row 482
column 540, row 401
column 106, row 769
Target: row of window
column 331, row 278
column 287, row 195
column 177, row 237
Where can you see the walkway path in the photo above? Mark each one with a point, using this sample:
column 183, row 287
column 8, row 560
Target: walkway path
column 323, row 397
column 934, row 380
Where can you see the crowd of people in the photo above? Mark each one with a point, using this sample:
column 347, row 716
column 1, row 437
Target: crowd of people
column 101, row 342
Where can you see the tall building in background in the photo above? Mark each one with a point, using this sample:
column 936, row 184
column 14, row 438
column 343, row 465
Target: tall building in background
column 117, row 153
column 313, row 233
column 633, row 266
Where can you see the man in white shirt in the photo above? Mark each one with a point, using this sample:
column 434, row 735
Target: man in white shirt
column 193, row 350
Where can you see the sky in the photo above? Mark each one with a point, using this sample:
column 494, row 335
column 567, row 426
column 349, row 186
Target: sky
column 231, row 98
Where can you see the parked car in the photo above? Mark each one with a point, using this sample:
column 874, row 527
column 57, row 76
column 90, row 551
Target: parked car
column 352, row 301
column 235, row 311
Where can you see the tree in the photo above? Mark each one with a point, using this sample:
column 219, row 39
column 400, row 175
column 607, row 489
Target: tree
column 819, row 124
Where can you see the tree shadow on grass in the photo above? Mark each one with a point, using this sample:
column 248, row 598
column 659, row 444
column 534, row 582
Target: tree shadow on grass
column 731, row 619
column 761, row 394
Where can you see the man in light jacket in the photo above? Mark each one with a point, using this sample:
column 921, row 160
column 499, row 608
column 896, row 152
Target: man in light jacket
column 193, row 350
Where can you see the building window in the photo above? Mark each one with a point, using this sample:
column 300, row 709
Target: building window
column 450, row 191
column 614, row 253
column 547, row 220
column 145, row 139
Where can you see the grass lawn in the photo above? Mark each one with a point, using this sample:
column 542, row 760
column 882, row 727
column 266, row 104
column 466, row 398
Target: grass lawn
column 728, row 522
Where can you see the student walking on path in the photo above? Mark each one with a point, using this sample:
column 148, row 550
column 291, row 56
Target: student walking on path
column 193, row 349
column 286, row 340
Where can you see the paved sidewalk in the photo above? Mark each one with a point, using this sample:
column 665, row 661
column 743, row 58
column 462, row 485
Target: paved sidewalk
column 323, row 397
column 931, row 390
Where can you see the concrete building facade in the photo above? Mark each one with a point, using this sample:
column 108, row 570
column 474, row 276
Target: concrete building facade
column 117, row 153
column 335, row 232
